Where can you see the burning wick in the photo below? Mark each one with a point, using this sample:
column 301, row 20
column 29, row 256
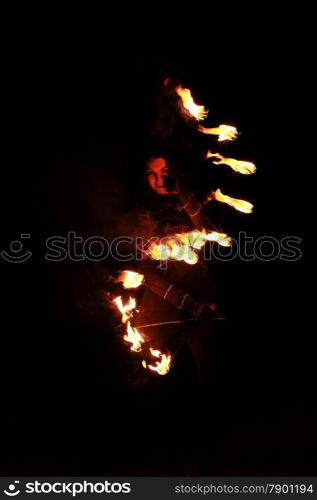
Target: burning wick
column 134, row 337
column 197, row 239
column 241, row 205
column 132, row 334
column 162, row 366
column 126, row 310
column 130, row 279
column 173, row 250
column 196, row 111
column 243, row 167
column 184, row 246
column 224, row 132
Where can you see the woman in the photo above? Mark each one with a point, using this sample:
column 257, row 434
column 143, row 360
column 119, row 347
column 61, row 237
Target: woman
column 180, row 303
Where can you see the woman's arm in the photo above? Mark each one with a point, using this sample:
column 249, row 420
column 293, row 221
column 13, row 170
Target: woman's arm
column 195, row 211
column 192, row 206
column 155, row 282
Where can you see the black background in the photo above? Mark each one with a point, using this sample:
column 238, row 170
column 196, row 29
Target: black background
column 74, row 101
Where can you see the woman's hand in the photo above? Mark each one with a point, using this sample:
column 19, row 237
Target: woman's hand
column 179, row 188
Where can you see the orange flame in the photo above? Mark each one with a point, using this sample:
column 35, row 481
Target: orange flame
column 162, row 366
column 241, row 205
column 134, row 337
column 172, row 250
column 126, row 310
column 243, row 167
column 197, row 239
column 183, row 246
column 131, row 279
column 224, row 132
column 198, row 112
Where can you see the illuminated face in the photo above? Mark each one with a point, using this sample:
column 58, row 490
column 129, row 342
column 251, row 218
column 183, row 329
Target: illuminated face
column 156, row 169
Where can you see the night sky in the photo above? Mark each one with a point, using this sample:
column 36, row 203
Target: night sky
column 73, row 403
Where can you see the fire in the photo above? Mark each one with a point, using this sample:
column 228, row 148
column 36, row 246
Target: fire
column 199, row 238
column 224, row 132
column 243, row 167
column 126, row 310
column 159, row 251
column 131, row 279
column 173, row 249
column 162, row 366
column 137, row 340
column 196, row 111
column 241, row 205
column 184, row 246
column 134, row 337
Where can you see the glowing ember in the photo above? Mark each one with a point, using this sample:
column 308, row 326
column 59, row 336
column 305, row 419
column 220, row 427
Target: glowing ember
column 224, row 132
column 131, row 279
column 134, row 337
column 126, row 310
column 243, row 167
column 162, row 366
column 183, row 246
column 196, row 111
column 241, row 205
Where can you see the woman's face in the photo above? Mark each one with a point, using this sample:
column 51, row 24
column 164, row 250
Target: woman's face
column 156, row 170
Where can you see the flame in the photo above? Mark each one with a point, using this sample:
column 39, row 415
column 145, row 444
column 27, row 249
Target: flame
column 134, row 337
column 198, row 112
column 172, row 250
column 158, row 251
column 126, row 310
column 197, row 238
column 137, row 340
column 162, row 366
column 241, row 205
column 243, row 167
column 183, row 246
column 224, row 132
column 131, row 279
